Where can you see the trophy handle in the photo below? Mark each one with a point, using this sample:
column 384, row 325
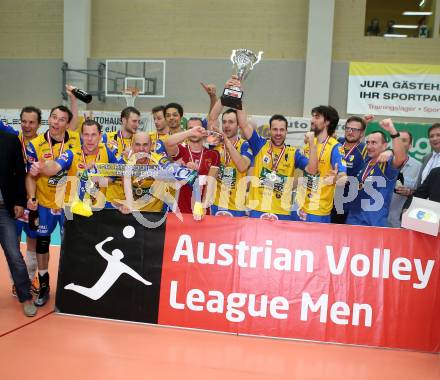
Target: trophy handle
column 232, row 56
column 260, row 53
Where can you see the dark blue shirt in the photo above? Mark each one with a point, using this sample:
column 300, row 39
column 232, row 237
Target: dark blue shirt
column 354, row 159
column 7, row 128
column 371, row 206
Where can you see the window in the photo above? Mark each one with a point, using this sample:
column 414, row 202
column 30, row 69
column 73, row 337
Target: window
column 400, row 18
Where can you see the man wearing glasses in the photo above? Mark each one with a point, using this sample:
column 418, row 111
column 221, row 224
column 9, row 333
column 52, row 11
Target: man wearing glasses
column 354, row 153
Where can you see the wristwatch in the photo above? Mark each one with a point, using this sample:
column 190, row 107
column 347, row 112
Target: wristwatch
column 396, row 135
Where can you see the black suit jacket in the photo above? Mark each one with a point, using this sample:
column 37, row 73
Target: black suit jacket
column 429, row 189
column 12, row 172
column 424, row 162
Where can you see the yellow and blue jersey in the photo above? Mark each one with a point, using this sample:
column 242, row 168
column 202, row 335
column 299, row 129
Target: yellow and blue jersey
column 149, row 191
column 157, row 141
column 354, row 160
column 231, row 183
column 271, row 190
column 116, row 142
column 72, row 161
column 118, row 145
column 24, row 143
column 39, row 149
column 315, row 195
column 22, row 222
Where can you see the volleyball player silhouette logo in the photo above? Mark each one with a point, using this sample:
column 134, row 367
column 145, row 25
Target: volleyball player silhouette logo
column 115, row 268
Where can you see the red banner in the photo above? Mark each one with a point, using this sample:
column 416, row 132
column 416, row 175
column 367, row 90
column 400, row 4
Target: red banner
column 333, row 283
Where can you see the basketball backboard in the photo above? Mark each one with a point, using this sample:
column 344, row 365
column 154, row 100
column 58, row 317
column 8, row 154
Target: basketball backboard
column 146, row 75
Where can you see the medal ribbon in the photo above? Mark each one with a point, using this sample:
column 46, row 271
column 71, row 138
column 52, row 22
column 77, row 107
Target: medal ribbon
column 227, row 156
column 192, row 158
column 122, row 141
column 368, row 170
column 323, row 148
column 84, row 159
column 351, row 150
column 51, row 147
column 155, row 141
column 23, row 148
column 280, row 156
column 95, row 186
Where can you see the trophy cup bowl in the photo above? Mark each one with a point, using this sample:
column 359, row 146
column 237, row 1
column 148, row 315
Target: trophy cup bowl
column 243, row 61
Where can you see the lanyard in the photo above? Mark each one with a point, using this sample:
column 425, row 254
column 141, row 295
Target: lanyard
column 280, row 156
column 368, row 170
column 124, row 146
column 49, row 140
column 192, row 159
column 351, row 150
column 155, row 141
column 23, row 148
column 84, row 159
column 227, row 156
column 323, row 148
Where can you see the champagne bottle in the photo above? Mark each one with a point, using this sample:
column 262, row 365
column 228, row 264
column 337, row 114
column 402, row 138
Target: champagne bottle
column 33, row 219
column 82, row 95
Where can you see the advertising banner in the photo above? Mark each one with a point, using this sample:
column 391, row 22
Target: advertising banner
column 394, row 89
column 331, row 283
column 110, row 267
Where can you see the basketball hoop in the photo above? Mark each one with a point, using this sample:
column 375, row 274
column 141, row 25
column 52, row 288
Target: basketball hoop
column 130, row 94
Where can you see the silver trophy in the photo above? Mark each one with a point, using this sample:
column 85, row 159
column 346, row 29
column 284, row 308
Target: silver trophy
column 243, row 61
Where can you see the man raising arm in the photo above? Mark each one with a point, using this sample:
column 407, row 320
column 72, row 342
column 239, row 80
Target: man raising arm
column 377, row 180
column 235, row 159
column 274, row 166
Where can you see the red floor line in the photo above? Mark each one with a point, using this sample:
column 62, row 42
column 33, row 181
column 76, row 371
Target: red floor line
column 27, row 324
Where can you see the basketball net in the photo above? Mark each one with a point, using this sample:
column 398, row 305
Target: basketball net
column 130, row 94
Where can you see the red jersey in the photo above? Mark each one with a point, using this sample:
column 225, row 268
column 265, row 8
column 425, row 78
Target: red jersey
column 204, row 160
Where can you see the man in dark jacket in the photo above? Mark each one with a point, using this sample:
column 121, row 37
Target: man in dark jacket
column 12, row 202
column 429, row 189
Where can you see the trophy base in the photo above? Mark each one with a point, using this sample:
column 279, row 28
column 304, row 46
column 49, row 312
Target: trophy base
column 232, row 98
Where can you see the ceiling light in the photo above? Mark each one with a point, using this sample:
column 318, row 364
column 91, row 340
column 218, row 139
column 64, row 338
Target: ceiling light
column 422, row 3
column 395, row 35
column 417, row 13
column 405, row 26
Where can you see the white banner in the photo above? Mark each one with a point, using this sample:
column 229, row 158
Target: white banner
column 394, row 89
